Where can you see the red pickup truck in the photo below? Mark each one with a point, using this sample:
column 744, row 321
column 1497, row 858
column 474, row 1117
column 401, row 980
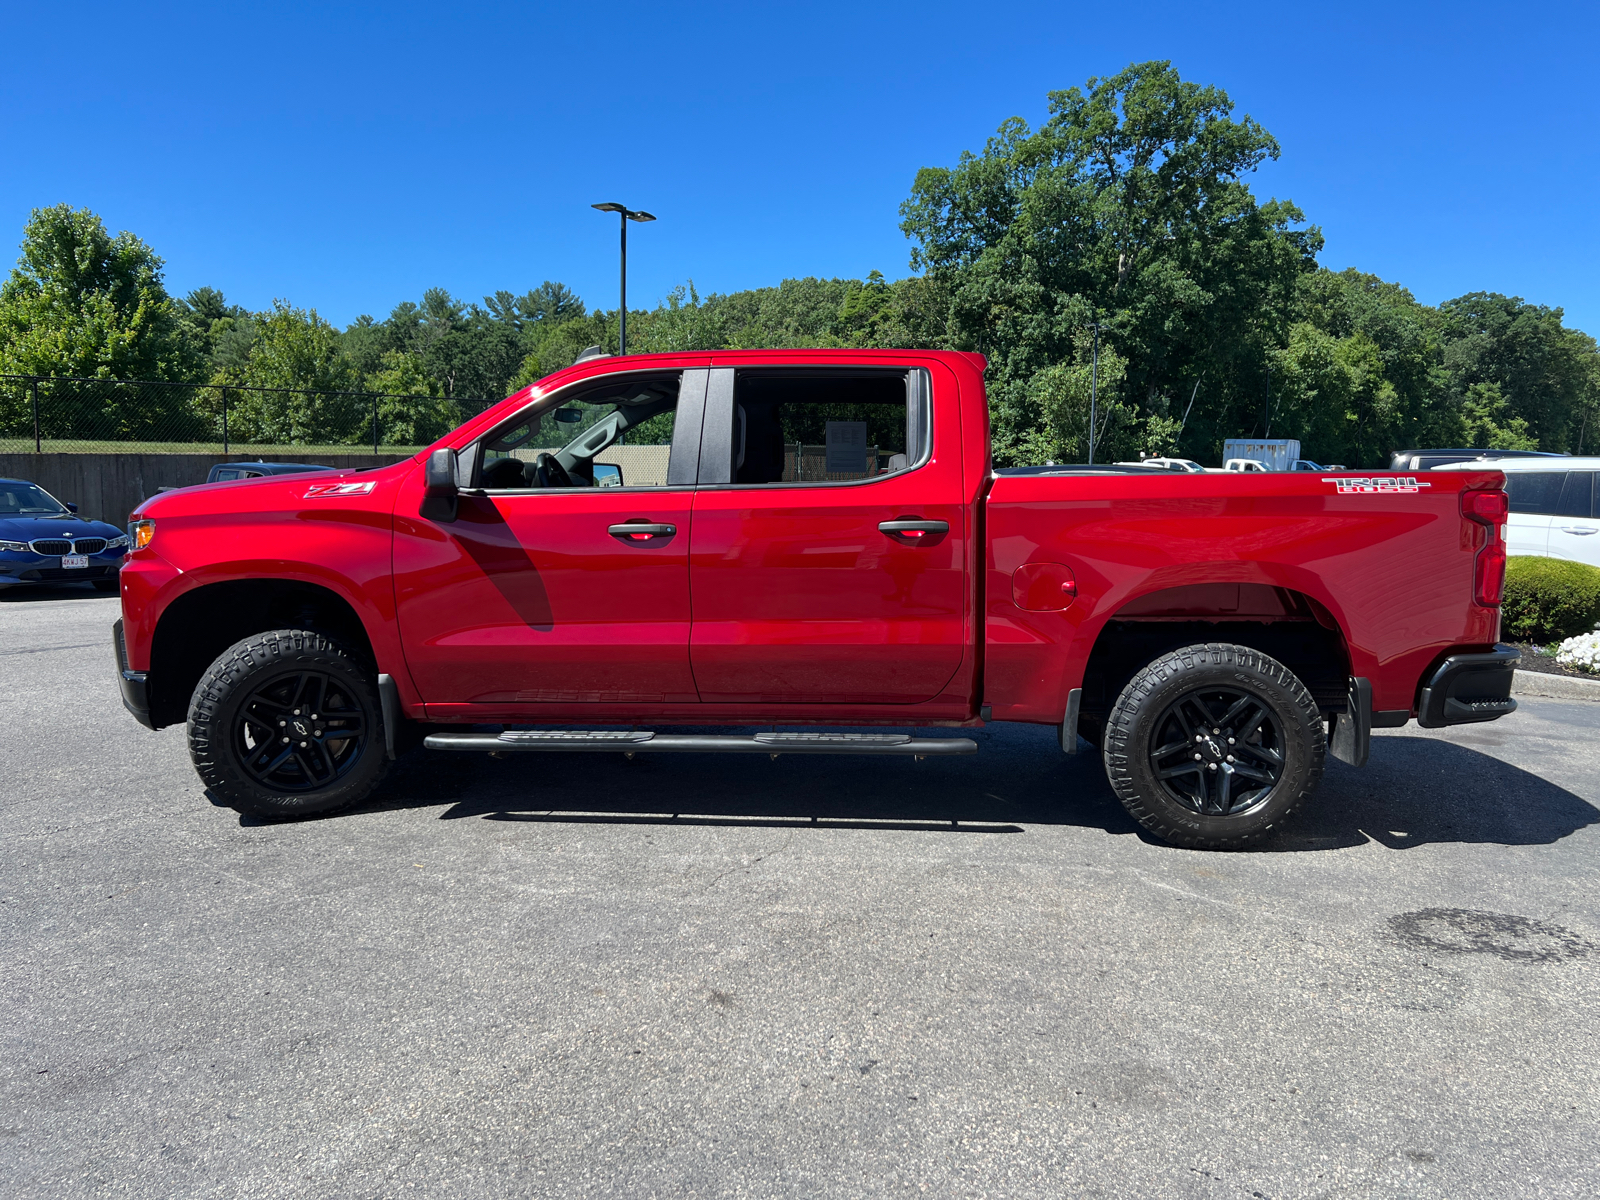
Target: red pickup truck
column 811, row 539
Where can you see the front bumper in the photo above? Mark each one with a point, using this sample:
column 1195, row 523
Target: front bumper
column 1466, row 688
column 135, row 685
column 37, row 570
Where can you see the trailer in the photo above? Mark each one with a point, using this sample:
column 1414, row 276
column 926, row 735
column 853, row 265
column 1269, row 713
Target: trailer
column 1276, row 453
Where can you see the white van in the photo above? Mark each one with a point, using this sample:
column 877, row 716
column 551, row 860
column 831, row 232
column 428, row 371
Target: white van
column 1555, row 510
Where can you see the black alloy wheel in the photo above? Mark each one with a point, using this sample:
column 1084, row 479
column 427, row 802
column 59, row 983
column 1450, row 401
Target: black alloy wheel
column 286, row 724
column 1219, row 751
column 1214, row 746
column 300, row 732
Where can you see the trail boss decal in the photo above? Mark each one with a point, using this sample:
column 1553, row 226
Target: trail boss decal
column 1381, row 484
column 360, row 488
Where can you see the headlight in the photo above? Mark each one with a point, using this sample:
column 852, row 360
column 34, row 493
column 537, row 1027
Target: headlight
column 143, row 532
column 117, row 542
column 13, row 545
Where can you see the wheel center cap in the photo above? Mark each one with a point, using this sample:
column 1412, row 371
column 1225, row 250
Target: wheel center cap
column 300, row 728
column 1212, row 750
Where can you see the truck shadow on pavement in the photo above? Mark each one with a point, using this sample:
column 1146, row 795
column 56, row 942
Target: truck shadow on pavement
column 1415, row 791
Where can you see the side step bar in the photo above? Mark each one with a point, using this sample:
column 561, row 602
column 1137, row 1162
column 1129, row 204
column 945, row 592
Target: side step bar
column 642, row 742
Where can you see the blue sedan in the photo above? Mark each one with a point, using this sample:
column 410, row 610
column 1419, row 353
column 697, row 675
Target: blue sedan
column 45, row 541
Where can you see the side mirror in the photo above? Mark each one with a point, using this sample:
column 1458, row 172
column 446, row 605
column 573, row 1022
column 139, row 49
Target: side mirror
column 71, row 507
column 439, row 475
column 607, row 475
column 440, row 492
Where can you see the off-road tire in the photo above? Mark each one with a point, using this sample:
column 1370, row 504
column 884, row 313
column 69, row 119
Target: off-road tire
column 239, row 676
column 1147, row 702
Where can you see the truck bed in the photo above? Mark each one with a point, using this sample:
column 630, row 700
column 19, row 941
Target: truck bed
column 1381, row 562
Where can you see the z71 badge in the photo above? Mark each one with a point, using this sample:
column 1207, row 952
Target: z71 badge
column 359, row 488
column 1382, row 484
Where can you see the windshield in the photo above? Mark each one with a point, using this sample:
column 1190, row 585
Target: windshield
column 18, row 499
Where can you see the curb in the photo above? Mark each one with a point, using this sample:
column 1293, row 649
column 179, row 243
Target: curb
column 1561, row 687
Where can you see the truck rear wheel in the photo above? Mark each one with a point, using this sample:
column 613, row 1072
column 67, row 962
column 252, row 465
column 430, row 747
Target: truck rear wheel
column 1214, row 746
column 287, row 724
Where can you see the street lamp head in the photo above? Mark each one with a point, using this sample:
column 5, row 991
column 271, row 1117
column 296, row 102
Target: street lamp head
column 627, row 212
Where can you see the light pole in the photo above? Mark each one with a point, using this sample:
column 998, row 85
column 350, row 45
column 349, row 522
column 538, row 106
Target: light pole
column 1094, row 385
column 1266, row 407
column 625, row 214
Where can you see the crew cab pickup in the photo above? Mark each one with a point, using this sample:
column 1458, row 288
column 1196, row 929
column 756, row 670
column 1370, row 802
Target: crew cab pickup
column 817, row 541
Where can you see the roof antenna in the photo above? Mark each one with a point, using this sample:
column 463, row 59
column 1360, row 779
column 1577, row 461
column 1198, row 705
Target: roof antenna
column 590, row 352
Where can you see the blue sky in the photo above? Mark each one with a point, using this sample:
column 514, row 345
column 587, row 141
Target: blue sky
column 347, row 158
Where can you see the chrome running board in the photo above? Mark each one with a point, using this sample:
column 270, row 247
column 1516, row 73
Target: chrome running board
column 640, row 741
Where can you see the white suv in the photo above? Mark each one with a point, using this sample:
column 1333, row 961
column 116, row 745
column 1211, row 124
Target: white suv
column 1555, row 510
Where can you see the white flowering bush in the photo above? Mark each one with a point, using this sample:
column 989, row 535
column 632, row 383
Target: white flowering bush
column 1582, row 652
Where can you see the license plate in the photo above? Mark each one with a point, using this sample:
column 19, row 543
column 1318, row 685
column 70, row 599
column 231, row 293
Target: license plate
column 70, row 561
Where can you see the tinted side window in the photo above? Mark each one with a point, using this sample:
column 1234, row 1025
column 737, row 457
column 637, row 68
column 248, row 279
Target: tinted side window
column 826, row 426
column 1534, row 492
column 623, row 424
column 1577, row 495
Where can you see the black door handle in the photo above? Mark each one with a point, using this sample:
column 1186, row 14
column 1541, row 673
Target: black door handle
column 912, row 527
column 640, row 531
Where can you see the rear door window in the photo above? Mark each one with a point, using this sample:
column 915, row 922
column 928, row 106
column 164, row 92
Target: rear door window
column 1577, row 495
column 821, row 426
column 1535, row 493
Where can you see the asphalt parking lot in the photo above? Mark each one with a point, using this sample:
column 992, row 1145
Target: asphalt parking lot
column 570, row 975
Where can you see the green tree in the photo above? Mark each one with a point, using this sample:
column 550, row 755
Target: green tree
column 1127, row 207
column 412, row 411
column 555, row 347
column 1545, row 372
column 1059, row 400
column 83, row 303
column 1333, row 395
column 211, row 327
column 473, row 352
column 549, row 302
column 364, row 343
column 295, row 358
column 1488, row 422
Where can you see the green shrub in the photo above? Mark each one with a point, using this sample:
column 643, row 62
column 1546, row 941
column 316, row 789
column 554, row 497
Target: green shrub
column 1548, row 599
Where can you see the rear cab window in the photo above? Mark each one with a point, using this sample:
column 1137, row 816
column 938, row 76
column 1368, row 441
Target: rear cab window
column 815, row 426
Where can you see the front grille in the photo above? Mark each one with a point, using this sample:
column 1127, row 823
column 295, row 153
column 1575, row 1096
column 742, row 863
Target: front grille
column 59, row 546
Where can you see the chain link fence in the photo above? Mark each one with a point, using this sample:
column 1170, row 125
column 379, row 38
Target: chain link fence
column 53, row 414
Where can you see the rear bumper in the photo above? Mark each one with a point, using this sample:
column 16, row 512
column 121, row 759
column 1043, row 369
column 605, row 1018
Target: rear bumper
column 1467, row 688
column 135, row 685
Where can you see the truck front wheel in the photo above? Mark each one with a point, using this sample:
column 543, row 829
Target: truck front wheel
column 287, row 724
column 1214, row 746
